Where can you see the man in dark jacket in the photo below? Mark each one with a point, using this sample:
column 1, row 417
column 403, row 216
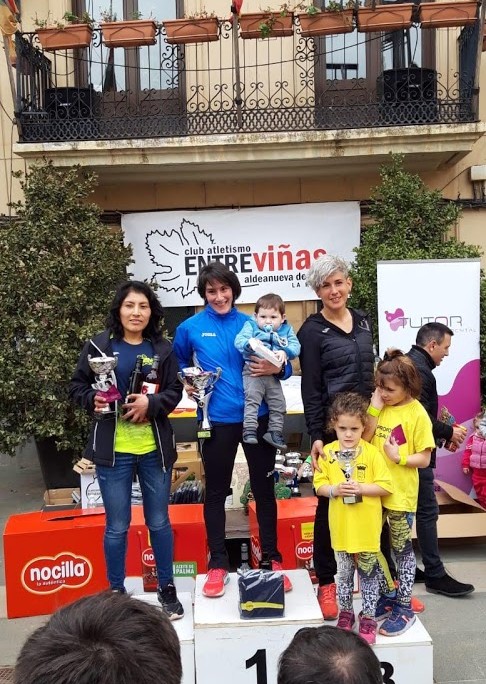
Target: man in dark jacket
column 432, row 345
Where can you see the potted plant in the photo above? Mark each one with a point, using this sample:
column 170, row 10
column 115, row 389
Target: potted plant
column 202, row 27
column 332, row 19
column 70, row 33
column 268, row 23
column 444, row 14
column 60, row 267
column 373, row 17
column 127, row 33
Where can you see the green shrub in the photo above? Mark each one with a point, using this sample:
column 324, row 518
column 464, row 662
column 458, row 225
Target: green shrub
column 409, row 221
column 59, row 267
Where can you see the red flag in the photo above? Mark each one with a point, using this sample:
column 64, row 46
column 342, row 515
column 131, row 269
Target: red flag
column 238, row 4
column 11, row 5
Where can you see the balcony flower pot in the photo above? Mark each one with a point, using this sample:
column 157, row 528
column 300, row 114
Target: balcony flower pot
column 131, row 33
column 326, row 23
column 266, row 25
column 384, row 18
column 183, row 31
column 65, row 38
column 444, row 14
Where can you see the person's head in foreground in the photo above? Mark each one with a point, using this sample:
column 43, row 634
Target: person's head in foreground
column 328, row 655
column 108, row 638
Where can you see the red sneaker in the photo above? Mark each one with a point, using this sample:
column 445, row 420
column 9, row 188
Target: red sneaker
column 215, row 581
column 326, row 595
column 277, row 567
column 416, row 605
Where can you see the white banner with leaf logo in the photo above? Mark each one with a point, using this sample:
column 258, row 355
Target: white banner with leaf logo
column 269, row 248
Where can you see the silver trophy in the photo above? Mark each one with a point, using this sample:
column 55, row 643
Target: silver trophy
column 347, row 460
column 203, row 381
column 293, row 459
column 103, row 367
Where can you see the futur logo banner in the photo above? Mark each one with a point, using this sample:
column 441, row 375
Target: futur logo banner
column 48, row 574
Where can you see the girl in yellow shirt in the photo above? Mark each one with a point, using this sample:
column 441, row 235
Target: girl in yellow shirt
column 355, row 511
column 400, row 428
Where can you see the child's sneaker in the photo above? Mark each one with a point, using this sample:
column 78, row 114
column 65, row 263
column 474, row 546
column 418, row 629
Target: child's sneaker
column 250, row 437
column 276, row 439
column 384, row 607
column 367, row 629
column 416, row 604
column 346, row 620
column 398, row 622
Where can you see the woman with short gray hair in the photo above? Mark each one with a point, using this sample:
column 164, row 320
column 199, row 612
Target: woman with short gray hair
column 336, row 356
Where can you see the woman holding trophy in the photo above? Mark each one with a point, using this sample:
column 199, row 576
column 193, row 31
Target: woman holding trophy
column 131, row 431
column 206, row 341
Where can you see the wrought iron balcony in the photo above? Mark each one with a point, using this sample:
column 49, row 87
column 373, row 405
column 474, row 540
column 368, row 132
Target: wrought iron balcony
column 286, row 84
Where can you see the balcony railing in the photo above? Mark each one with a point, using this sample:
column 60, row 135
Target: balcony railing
column 286, row 84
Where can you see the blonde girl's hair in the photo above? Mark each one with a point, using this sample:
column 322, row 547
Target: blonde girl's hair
column 399, row 367
column 350, row 404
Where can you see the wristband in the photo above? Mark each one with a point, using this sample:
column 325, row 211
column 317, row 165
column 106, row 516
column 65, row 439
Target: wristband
column 331, row 493
column 402, row 460
column 372, row 411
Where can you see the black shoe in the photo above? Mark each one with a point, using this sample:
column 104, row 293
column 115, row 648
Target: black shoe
column 250, row 437
column 448, row 586
column 276, row 439
column 171, row 605
column 120, row 590
column 419, row 576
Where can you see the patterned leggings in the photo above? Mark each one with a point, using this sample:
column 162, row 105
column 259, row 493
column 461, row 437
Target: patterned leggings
column 400, row 524
column 368, row 568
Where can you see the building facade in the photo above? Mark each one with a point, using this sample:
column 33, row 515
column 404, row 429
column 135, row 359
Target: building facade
column 241, row 122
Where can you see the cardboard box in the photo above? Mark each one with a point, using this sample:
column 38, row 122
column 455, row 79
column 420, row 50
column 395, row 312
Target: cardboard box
column 295, row 532
column 61, row 499
column 460, row 515
column 53, row 558
column 90, row 490
column 188, row 463
column 187, row 451
column 190, row 544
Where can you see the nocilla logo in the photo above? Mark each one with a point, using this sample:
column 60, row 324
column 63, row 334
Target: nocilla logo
column 48, row 574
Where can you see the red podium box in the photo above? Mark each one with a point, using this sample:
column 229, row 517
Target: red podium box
column 295, row 532
column 54, row 558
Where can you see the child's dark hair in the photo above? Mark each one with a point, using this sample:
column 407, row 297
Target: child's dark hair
column 271, row 301
column 347, row 403
column 398, row 366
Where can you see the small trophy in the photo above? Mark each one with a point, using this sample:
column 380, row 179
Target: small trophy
column 103, row 367
column 204, row 382
column 293, row 460
column 347, row 460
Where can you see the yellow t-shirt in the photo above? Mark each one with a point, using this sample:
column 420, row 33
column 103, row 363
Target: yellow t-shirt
column 355, row 527
column 417, row 428
column 134, row 438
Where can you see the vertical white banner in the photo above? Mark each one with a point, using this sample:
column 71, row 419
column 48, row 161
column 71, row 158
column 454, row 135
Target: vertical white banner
column 412, row 293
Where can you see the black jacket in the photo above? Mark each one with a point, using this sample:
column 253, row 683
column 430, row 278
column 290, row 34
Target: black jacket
column 424, row 363
column 333, row 361
column 102, row 436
